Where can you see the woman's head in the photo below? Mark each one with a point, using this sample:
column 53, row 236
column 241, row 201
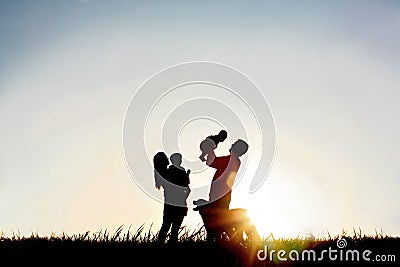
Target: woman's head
column 160, row 161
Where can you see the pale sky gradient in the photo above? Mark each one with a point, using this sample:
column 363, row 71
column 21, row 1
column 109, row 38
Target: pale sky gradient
column 329, row 70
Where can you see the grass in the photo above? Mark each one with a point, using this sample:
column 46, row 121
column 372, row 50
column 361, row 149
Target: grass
column 138, row 247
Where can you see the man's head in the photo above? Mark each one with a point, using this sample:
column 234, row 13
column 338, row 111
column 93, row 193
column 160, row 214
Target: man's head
column 239, row 148
column 176, row 159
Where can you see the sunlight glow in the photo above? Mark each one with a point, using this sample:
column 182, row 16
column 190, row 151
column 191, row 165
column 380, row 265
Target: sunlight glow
column 267, row 224
column 284, row 207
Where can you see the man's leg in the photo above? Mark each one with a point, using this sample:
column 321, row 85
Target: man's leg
column 223, row 202
column 220, row 212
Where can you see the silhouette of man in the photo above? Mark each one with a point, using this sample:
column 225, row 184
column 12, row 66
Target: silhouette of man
column 225, row 174
column 175, row 182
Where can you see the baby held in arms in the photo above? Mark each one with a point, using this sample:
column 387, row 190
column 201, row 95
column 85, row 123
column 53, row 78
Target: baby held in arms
column 211, row 142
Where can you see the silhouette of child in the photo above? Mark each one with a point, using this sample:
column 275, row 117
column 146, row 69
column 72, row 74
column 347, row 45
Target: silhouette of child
column 211, row 142
column 178, row 174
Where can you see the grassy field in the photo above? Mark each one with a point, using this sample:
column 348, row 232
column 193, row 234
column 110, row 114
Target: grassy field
column 139, row 248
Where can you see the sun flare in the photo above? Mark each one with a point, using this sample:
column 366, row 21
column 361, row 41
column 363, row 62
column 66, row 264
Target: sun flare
column 281, row 210
column 268, row 226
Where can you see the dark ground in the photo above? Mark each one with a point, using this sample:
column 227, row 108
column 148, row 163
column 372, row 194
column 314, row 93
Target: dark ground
column 55, row 252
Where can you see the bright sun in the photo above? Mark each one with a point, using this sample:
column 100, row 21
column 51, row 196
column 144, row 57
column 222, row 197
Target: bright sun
column 267, row 224
column 285, row 211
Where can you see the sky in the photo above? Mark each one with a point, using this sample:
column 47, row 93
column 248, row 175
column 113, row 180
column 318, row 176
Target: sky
column 329, row 71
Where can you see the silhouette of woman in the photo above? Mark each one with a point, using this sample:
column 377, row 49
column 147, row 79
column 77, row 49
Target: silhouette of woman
column 175, row 182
